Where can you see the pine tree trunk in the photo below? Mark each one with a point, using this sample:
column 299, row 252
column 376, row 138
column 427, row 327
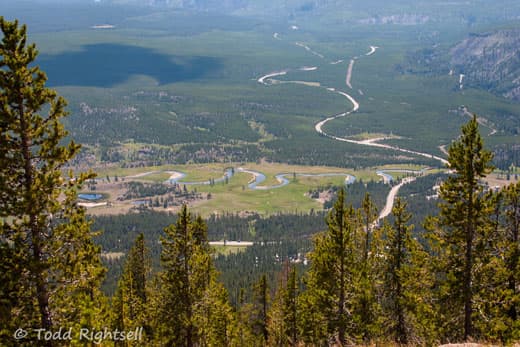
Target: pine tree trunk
column 189, row 332
column 264, row 310
column 513, row 313
column 467, row 287
column 401, row 330
column 341, row 303
column 41, row 288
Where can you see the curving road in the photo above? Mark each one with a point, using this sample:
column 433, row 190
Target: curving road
column 372, row 50
column 308, row 49
column 272, row 74
column 349, row 73
column 391, row 197
column 258, row 177
column 319, row 126
column 480, row 120
column 370, row 142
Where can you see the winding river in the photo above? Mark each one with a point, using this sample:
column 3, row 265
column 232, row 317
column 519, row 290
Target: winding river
column 283, row 178
column 259, row 177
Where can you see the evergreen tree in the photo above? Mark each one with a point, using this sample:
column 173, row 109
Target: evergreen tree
column 398, row 258
column 131, row 299
column 406, row 301
column 216, row 319
column 290, row 308
column 260, row 304
column 51, row 268
column 182, row 283
column 190, row 307
column 460, row 226
column 326, row 306
column 499, row 297
column 512, row 251
column 283, row 314
column 369, row 211
column 366, row 308
column 243, row 331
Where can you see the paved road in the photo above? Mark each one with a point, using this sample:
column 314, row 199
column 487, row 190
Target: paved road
column 231, row 243
column 390, row 198
column 371, row 142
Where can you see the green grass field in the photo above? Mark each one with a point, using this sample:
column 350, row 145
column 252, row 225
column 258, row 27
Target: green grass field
column 236, row 196
column 227, row 250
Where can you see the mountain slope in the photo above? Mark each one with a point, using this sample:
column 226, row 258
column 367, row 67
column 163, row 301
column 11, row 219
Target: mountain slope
column 490, row 61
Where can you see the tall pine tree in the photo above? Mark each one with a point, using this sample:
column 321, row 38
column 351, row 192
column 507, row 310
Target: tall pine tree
column 190, row 308
column 181, row 283
column 512, row 253
column 499, row 297
column 406, row 298
column 366, row 309
column 130, row 303
column 283, row 314
column 260, row 307
column 327, row 304
column 399, row 245
column 51, row 268
column 461, row 225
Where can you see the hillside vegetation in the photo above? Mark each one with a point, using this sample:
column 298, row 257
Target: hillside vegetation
column 490, row 61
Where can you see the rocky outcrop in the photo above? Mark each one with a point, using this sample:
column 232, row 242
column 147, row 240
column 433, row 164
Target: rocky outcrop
column 490, row 61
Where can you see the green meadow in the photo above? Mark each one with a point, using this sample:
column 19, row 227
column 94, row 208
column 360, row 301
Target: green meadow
column 235, row 195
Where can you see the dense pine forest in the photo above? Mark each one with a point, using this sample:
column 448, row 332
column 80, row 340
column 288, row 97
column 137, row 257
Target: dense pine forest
column 339, row 279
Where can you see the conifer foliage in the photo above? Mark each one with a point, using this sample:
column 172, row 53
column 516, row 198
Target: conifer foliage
column 50, row 268
column 509, row 245
column 130, row 303
column 499, row 299
column 283, row 314
column 460, row 227
column 331, row 282
column 405, row 297
column 191, row 307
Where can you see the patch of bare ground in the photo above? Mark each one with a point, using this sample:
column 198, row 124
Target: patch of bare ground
column 112, row 255
column 499, row 181
column 245, row 214
column 325, row 196
column 116, row 204
column 404, row 158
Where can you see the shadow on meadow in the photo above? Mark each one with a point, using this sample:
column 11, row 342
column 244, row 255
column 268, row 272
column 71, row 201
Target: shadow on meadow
column 106, row 65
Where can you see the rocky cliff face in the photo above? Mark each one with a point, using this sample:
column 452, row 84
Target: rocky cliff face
column 490, row 61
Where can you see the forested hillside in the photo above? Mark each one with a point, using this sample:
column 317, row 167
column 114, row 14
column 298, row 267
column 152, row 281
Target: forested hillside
column 490, row 61
column 354, row 284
